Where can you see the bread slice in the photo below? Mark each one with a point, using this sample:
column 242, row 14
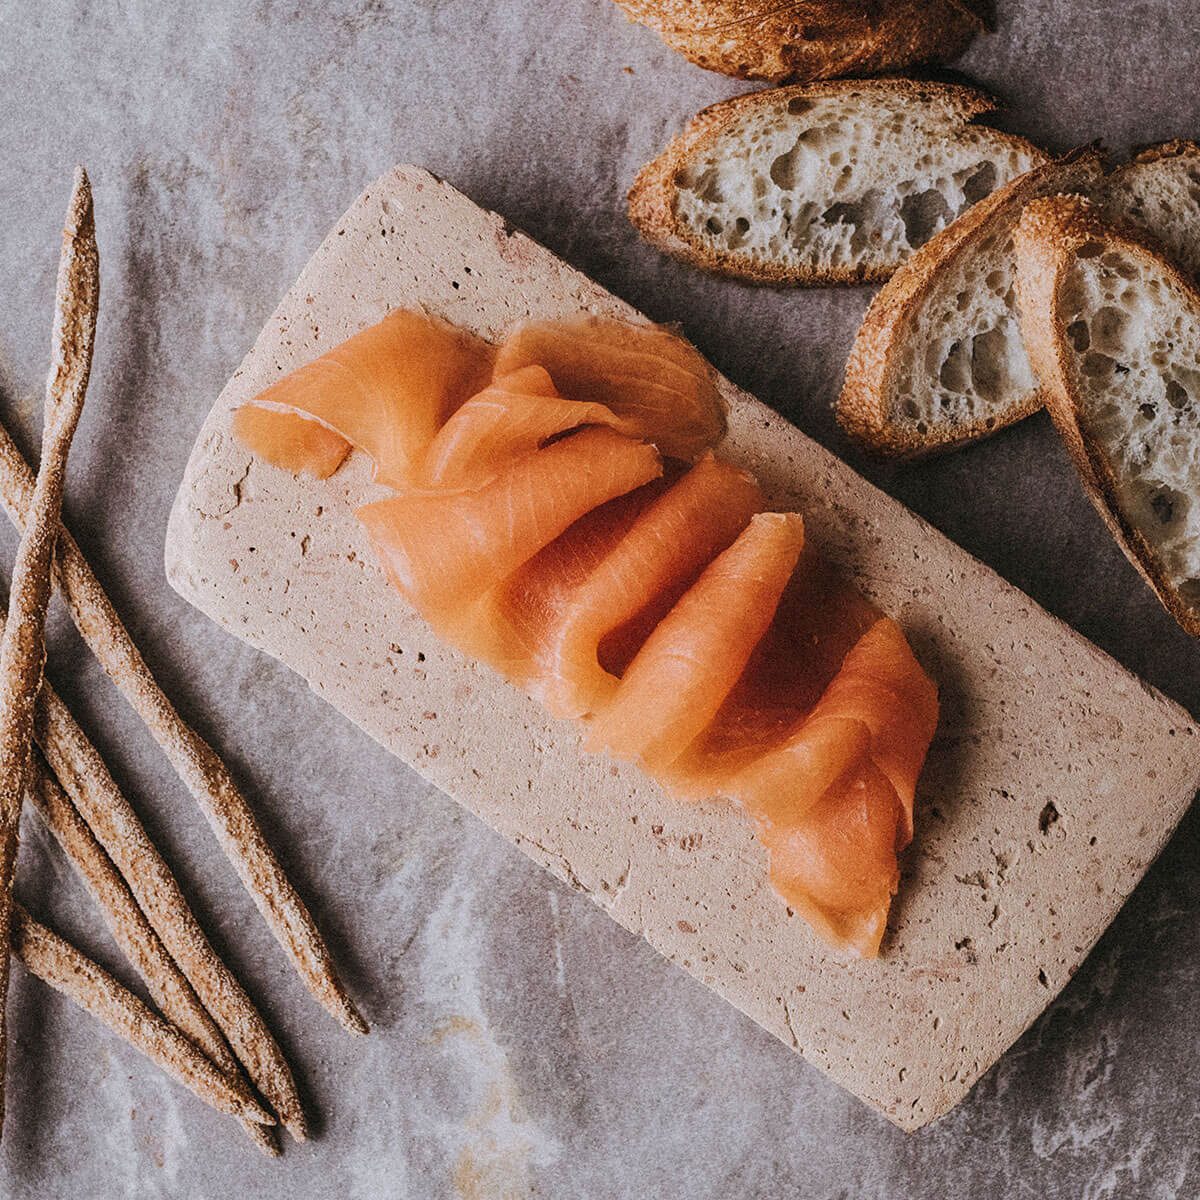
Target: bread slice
column 823, row 183
column 1000, row 901
column 1159, row 191
column 938, row 360
column 1113, row 331
column 811, row 39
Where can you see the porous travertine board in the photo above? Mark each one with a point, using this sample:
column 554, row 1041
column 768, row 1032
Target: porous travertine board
column 1002, row 895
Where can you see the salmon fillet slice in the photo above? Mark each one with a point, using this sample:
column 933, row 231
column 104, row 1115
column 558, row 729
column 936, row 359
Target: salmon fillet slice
column 387, row 390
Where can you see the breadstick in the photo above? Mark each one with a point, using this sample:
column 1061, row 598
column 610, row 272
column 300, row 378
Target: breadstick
column 59, row 964
column 23, row 650
column 167, row 984
column 194, row 760
column 86, row 779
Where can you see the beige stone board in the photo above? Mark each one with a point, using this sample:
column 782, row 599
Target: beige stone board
column 1000, row 900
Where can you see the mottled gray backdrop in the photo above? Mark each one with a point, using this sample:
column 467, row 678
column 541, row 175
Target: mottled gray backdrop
column 523, row 1045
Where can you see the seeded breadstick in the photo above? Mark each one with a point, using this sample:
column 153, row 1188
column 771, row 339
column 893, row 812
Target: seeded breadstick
column 23, row 649
column 132, row 932
column 59, row 964
column 86, row 779
column 196, row 762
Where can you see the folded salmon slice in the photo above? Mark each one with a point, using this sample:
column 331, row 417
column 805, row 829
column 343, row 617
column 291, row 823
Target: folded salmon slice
column 880, row 704
column 386, row 390
column 613, row 612
column 567, row 622
column 288, row 442
column 834, row 802
column 837, row 866
column 684, row 672
column 445, row 550
column 645, row 374
column 819, row 619
column 515, row 623
column 390, row 389
column 882, row 686
column 510, row 418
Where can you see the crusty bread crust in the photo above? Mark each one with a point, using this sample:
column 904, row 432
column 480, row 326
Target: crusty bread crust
column 863, row 409
column 810, row 39
column 1160, row 151
column 1050, row 234
column 653, row 197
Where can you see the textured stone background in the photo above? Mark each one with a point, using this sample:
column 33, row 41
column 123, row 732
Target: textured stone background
column 523, row 1044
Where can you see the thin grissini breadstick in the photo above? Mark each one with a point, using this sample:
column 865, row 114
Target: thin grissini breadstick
column 64, row 968
column 23, row 649
column 194, row 760
column 127, row 923
column 86, row 779
column 167, row 984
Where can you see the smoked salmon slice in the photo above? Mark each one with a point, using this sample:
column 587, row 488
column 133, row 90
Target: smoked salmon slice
column 881, row 685
column 558, row 514
column 834, row 803
column 618, row 605
column 646, row 374
column 516, row 621
column 387, row 390
column 290, row 443
column 837, row 866
column 511, row 417
column 565, row 624
column 678, row 680
column 819, row 619
column 390, row 389
column 879, row 704
column 444, row 550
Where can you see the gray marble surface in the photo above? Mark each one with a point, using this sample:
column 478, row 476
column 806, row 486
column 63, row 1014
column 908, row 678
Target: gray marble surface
column 523, row 1045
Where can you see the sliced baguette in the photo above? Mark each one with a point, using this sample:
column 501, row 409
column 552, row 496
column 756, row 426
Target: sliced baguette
column 1113, row 331
column 812, row 39
column 1159, row 191
column 823, row 183
column 939, row 360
